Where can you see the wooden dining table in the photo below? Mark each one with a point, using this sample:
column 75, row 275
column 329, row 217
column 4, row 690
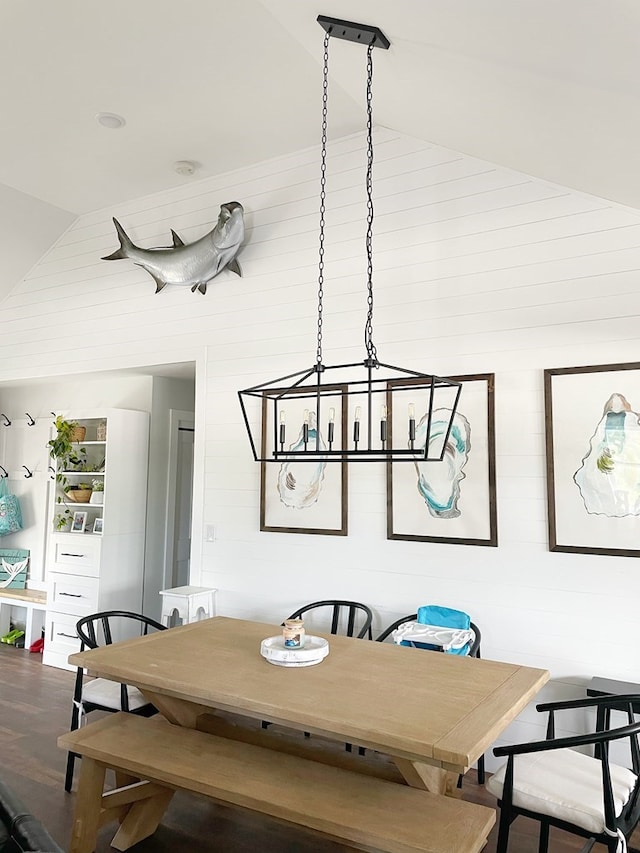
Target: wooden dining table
column 432, row 714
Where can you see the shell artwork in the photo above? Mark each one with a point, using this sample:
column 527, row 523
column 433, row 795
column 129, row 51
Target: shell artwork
column 608, row 476
column 439, row 482
column 300, row 483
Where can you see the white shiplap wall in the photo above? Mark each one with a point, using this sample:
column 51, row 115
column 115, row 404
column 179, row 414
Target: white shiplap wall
column 478, row 269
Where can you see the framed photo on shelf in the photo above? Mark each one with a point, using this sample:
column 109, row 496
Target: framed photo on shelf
column 79, row 521
column 305, row 497
column 452, row 501
column 592, row 419
column 97, row 526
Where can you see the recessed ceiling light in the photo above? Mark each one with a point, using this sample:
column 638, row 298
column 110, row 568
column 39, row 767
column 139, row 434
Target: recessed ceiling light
column 185, row 167
column 110, row 120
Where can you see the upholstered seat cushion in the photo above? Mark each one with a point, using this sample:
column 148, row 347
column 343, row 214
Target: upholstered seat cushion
column 564, row 784
column 100, row 691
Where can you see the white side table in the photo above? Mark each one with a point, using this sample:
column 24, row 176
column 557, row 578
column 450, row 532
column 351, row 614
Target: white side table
column 192, row 603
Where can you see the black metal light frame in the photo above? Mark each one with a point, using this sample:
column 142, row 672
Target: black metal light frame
column 374, row 437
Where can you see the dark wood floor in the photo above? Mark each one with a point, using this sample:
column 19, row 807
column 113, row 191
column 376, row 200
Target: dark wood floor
column 35, row 709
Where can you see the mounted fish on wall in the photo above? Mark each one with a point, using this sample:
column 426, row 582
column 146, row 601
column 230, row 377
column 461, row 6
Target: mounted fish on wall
column 192, row 264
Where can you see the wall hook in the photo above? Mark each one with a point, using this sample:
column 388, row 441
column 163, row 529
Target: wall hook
column 7, row 422
column 28, row 474
column 31, row 421
column 5, row 473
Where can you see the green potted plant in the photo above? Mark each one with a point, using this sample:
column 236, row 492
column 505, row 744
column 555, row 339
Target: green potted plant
column 97, row 495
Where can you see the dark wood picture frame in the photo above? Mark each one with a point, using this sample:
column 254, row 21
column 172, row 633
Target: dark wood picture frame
column 581, row 455
column 475, row 521
column 334, row 487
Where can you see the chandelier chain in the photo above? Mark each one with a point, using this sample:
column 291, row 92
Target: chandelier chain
column 368, row 330
column 323, row 194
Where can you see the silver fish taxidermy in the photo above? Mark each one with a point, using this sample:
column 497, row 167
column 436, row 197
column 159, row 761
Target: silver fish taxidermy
column 192, row 264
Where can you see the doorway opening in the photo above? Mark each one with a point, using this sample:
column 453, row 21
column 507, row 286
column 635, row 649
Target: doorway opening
column 179, row 499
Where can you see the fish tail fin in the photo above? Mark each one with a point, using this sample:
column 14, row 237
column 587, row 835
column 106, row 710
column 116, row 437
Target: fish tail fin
column 125, row 244
column 235, row 267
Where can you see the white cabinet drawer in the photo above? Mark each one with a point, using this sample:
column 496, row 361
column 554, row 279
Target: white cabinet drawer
column 73, row 594
column 77, row 555
column 61, row 639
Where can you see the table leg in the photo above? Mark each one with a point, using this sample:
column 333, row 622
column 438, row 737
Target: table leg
column 177, row 711
column 429, row 778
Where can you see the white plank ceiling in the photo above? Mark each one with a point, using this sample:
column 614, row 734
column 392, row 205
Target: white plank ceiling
column 550, row 89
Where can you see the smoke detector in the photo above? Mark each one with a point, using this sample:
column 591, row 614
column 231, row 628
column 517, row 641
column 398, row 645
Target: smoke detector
column 185, row 167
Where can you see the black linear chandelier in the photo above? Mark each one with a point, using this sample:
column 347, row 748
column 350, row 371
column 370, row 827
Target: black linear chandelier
column 366, row 411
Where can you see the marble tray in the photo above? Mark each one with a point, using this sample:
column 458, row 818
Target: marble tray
column 314, row 651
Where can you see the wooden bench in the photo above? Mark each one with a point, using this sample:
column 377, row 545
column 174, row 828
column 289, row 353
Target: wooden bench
column 152, row 758
column 34, row 603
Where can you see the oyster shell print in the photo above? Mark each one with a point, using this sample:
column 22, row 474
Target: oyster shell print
column 439, row 482
column 608, row 476
column 300, row 483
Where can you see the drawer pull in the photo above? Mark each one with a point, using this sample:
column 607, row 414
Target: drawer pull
column 70, row 594
column 71, row 636
column 67, row 554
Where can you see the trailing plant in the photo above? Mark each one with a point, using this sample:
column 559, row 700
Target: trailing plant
column 62, row 519
column 98, row 485
column 67, row 455
column 61, row 446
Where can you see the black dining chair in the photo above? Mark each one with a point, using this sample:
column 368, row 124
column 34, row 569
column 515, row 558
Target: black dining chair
column 550, row 781
column 472, row 652
column 349, row 618
column 99, row 694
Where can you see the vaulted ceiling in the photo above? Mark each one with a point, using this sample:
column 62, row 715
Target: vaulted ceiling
column 548, row 88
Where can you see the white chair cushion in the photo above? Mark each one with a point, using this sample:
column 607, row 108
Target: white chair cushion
column 100, row 691
column 564, row 784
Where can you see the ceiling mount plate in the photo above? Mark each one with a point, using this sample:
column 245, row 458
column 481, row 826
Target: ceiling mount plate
column 361, row 33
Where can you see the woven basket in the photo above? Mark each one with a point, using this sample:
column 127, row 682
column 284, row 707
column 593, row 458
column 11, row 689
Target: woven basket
column 79, row 496
column 78, row 433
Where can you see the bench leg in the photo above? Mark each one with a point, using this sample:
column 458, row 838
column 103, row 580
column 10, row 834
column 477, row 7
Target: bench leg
column 142, row 820
column 138, row 805
column 86, row 821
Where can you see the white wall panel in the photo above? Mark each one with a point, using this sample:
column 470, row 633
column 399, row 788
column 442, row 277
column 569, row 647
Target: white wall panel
column 477, row 269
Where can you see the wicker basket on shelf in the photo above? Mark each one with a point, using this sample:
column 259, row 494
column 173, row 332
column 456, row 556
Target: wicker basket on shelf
column 78, row 434
column 79, row 496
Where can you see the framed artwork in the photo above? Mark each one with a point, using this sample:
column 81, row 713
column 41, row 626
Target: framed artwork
column 79, row 521
column 305, row 497
column 97, row 526
column 452, row 501
column 592, row 419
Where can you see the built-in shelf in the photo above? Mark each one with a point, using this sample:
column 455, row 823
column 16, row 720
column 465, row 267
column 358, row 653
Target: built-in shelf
column 87, row 572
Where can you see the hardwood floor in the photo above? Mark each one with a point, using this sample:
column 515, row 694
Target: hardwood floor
column 35, row 708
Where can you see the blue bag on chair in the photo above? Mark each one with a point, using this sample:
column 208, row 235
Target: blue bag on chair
column 10, row 513
column 442, row 617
